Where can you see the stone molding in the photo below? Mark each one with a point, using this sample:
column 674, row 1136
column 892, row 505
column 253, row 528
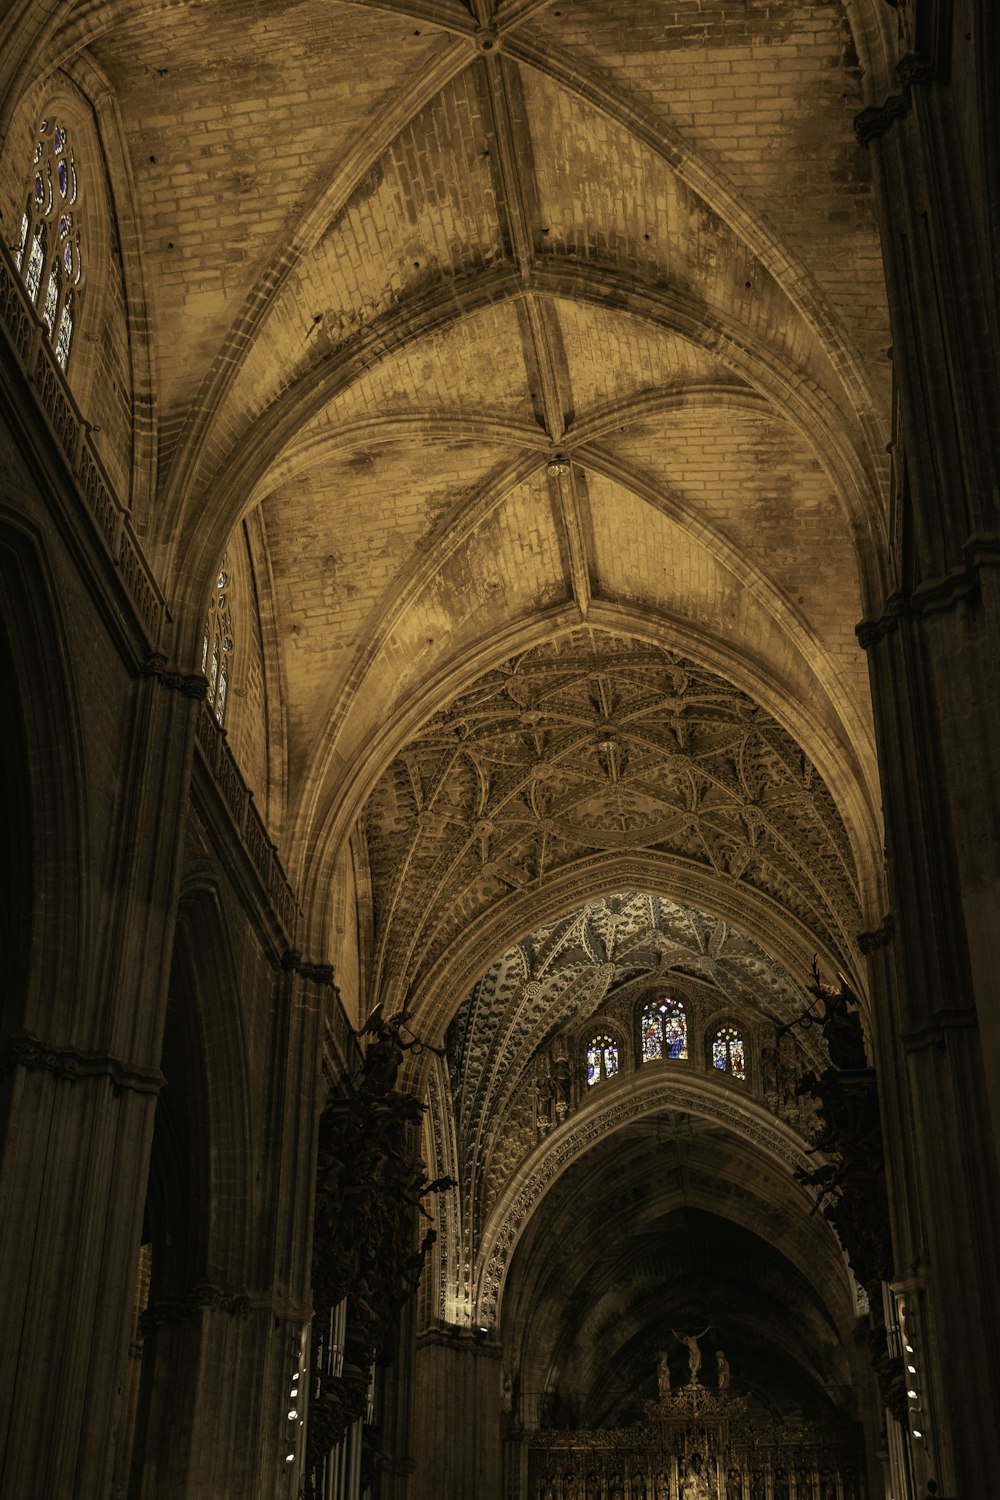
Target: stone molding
column 877, row 119
column 934, row 1032
column 319, row 972
column 879, row 937
column 70, row 1064
column 456, row 1335
column 97, row 500
column 207, row 1296
column 239, row 802
column 959, row 585
column 191, row 684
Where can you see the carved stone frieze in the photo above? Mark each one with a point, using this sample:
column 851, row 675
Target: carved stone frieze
column 880, row 937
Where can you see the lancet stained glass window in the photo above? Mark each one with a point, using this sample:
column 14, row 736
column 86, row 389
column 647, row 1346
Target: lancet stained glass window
column 728, row 1052
column 664, row 1030
column 602, row 1059
column 217, row 645
column 49, row 255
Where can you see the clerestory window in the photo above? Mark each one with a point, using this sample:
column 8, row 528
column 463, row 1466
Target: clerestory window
column 729, row 1053
column 664, row 1029
column 602, row 1059
column 49, row 255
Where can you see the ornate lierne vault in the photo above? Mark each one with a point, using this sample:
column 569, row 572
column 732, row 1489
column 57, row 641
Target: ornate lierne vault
column 596, row 962
column 572, row 754
column 511, row 1105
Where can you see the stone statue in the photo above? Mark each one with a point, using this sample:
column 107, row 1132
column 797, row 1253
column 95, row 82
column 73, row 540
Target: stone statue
column 694, row 1352
column 562, row 1080
column 722, row 1365
column 663, row 1375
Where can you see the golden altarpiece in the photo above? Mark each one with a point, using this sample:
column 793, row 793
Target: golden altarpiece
column 698, row 1443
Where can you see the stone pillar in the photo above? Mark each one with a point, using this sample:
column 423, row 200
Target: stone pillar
column 933, row 648
column 394, row 1413
column 456, row 1419
column 77, row 1095
column 935, row 1064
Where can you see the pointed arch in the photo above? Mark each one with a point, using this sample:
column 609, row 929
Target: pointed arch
column 52, row 829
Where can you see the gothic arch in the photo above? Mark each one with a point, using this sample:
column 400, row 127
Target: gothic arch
column 208, row 978
column 634, row 1096
column 54, row 828
column 199, row 1200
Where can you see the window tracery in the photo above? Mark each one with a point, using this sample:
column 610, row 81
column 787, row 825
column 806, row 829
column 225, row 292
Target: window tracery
column 729, row 1052
column 218, row 643
column 602, row 1058
column 664, row 1029
column 49, row 255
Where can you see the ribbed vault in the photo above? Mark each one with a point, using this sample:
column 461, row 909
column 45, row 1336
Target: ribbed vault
column 481, row 304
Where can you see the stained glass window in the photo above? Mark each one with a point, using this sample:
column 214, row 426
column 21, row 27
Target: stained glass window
column 602, row 1059
column 728, row 1052
column 664, row 1030
column 65, row 335
column 49, row 256
column 217, row 644
column 51, row 301
column 36, row 260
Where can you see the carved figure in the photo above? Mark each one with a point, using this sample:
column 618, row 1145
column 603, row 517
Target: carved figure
column 694, row 1352
column 722, row 1366
column 384, row 1053
column 562, row 1080
column 841, row 1023
column 663, row 1375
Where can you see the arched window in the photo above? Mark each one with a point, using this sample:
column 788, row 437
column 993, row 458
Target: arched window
column 217, row 645
column 602, row 1058
column 728, row 1052
column 664, row 1029
column 49, row 256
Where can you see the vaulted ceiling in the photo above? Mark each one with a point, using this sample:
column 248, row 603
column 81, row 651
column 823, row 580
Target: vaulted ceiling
column 509, row 319
column 591, row 746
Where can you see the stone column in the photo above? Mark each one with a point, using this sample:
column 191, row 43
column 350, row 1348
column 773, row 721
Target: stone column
column 456, row 1419
column 77, row 1095
column 933, row 648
